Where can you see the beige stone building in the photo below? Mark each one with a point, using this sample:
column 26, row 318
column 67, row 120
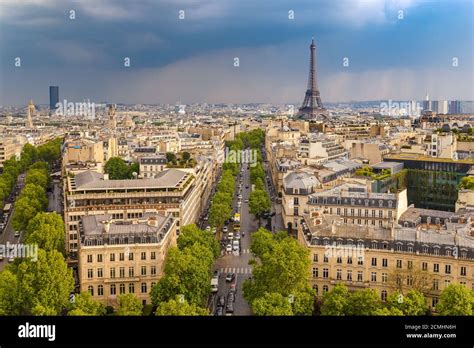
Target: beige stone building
column 427, row 251
column 121, row 256
column 8, row 149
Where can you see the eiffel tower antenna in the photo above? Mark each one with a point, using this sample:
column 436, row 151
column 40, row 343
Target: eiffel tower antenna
column 312, row 105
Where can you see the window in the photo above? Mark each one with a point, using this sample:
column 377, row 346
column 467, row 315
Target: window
column 99, row 257
column 425, row 249
column 360, row 276
column 435, row 284
column 373, row 276
column 410, row 264
column 384, row 277
column 349, row 275
column 410, row 248
column 100, row 273
column 384, row 295
column 325, row 259
column 436, row 267
column 100, row 290
column 122, row 288
column 446, row 283
column 325, row 273
column 144, row 288
column 131, row 288
column 112, row 257
column 90, row 288
column 131, row 272
column 384, row 262
column 143, row 272
column 339, row 259
column 121, row 256
column 399, row 247
column 315, row 257
column 153, row 255
column 153, row 270
column 339, row 274
column 360, row 260
column 349, row 260
column 448, row 252
column 463, row 270
column 374, row 245
column 424, row 266
column 130, row 257
column 113, row 290
column 374, row 261
column 399, row 263
column 410, row 280
column 315, row 273
column 447, row 269
column 89, row 258
column 436, row 251
column 143, row 257
column 90, row 273
column 315, row 287
column 122, row 272
column 112, row 272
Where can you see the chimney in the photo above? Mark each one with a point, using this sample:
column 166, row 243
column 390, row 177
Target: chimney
column 106, row 176
column 106, row 226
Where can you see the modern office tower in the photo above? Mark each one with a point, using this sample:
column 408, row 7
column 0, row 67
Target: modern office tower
column 443, row 107
column 434, row 106
column 454, row 107
column 312, row 104
column 53, row 97
column 426, row 103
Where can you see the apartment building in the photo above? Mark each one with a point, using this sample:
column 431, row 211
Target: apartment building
column 320, row 147
column 150, row 166
column 121, row 256
column 356, row 205
column 172, row 191
column 427, row 251
column 8, row 149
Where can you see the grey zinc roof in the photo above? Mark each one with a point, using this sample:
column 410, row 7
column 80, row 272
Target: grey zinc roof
column 90, row 180
column 94, row 224
column 300, row 180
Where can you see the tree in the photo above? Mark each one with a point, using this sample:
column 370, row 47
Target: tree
column 188, row 273
column 38, row 177
column 283, row 268
column 456, row 299
column 175, row 307
column 388, row 311
column 134, row 168
column 363, row 302
column 218, row 214
column 272, row 303
column 259, row 184
column 25, row 210
column 259, row 202
column 256, row 172
column 186, row 156
column 40, row 287
column 85, row 305
column 413, row 303
column 35, row 192
column 171, row 157
column 336, row 301
column 191, row 234
column 46, row 230
column 129, row 304
column 117, row 169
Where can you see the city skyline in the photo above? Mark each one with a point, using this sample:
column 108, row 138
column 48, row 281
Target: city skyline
column 391, row 54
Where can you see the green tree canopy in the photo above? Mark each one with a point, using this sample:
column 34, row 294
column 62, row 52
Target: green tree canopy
column 129, row 304
column 85, row 305
column 413, row 303
column 46, row 230
column 259, row 202
column 38, row 177
column 175, row 307
column 456, row 299
column 272, row 303
column 336, row 301
column 191, row 234
column 117, row 169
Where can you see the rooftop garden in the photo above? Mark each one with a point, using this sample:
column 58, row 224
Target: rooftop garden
column 369, row 172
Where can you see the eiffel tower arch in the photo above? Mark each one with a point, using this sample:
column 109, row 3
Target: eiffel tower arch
column 312, row 107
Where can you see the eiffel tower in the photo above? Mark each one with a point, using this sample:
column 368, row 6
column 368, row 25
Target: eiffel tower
column 312, row 107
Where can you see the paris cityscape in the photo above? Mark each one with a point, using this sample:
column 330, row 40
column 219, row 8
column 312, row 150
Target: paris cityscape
column 201, row 158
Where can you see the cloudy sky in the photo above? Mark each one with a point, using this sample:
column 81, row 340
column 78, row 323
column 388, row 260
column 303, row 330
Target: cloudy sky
column 192, row 59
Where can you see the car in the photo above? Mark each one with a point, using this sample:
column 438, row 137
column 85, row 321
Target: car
column 246, row 201
column 237, row 236
column 233, row 288
column 17, row 234
column 239, row 204
column 230, row 277
column 228, row 248
column 11, row 259
column 235, row 245
column 231, row 296
column 246, row 186
column 229, row 308
column 225, row 229
column 240, row 196
column 219, row 311
column 206, row 218
column 1, row 257
column 230, row 235
column 221, row 301
column 216, row 274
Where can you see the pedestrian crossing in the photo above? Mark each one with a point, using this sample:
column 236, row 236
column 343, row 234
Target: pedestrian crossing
column 236, row 270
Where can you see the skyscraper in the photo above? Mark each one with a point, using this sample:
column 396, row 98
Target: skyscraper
column 454, row 107
column 53, row 97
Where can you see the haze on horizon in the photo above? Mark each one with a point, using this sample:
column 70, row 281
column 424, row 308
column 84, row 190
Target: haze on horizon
column 189, row 60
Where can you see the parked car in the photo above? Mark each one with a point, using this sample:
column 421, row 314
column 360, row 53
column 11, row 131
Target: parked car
column 221, row 301
column 11, row 259
column 237, row 236
column 219, row 311
column 228, row 248
column 235, row 245
column 225, row 229
column 1, row 257
column 17, row 234
column 208, row 228
column 230, row 277
column 246, row 201
column 230, row 236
